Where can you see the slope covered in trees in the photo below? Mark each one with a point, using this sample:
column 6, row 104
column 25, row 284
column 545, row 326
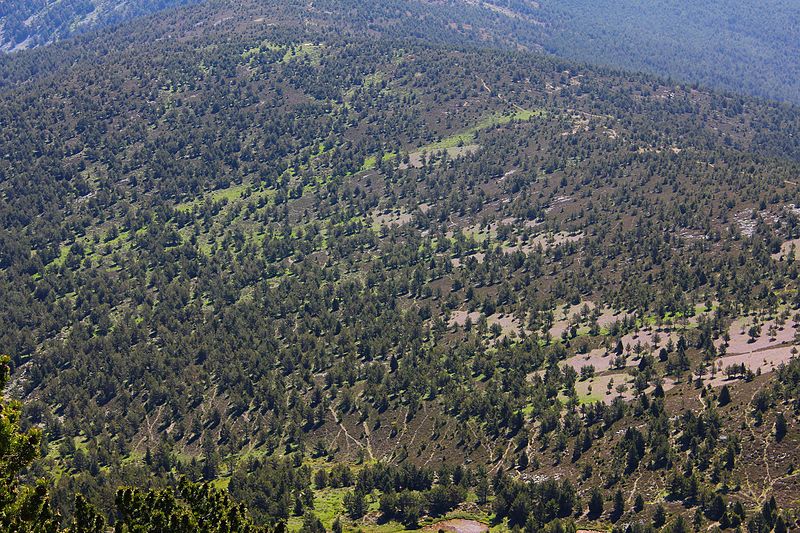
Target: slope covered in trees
column 730, row 44
column 354, row 282
column 727, row 44
column 31, row 23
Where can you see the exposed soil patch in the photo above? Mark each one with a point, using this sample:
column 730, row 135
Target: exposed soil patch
column 759, row 348
column 395, row 218
column 746, row 223
column 599, row 358
column 609, row 316
column 558, row 328
column 458, row 525
column 543, row 241
column 581, row 313
column 549, row 240
column 597, row 388
column 647, row 341
column 558, row 201
column 458, row 261
column 770, row 335
column 459, row 318
column 786, row 248
column 764, row 361
column 507, row 322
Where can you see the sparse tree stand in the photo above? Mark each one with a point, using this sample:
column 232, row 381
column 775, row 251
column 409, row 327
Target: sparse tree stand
column 243, row 270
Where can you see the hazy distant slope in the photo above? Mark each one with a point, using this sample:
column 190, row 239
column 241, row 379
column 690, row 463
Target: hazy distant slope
column 731, row 44
column 452, row 22
column 29, row 23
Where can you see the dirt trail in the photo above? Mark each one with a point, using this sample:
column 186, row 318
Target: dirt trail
column 502, row 98
column 757, row 498
column 502, row 460
column 404, row 431
column 389, row 456
column 344, row 429
column 369, row 444
column 633, row 490
column 483, row 442
column 414, row 436
column 149, row 424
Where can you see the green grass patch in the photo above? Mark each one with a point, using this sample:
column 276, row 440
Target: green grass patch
column 371, row 162
column 221, row 483
column 589, row 398
column 306, row 50
column 231, row 193
column 328, row 504
column 467, row 136
column 62, row 255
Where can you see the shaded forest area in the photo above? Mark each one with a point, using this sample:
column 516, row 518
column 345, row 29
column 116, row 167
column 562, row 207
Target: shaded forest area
column 727, row 44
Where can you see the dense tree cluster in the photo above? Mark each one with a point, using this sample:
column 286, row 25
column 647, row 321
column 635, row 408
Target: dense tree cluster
column 726, row 44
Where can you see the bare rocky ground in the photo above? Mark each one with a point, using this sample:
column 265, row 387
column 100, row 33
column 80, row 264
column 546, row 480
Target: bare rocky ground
column 458, row 525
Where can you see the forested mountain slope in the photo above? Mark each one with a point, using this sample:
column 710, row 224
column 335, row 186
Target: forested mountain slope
column 31, row 23
column 372, row 282
column 729, row 44
column 451, row 22
column 736, row 45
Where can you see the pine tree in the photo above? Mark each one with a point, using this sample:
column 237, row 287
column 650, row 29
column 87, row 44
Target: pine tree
column 724, row 396
column 716, row 508
column 659, row 516
column 619, row 506
column 780, row 525
column 311, row 524
column 595, row 503
column 638, row 504
column 780, row 427
column 86, row 519
column 355, row 504
column 482, row 490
